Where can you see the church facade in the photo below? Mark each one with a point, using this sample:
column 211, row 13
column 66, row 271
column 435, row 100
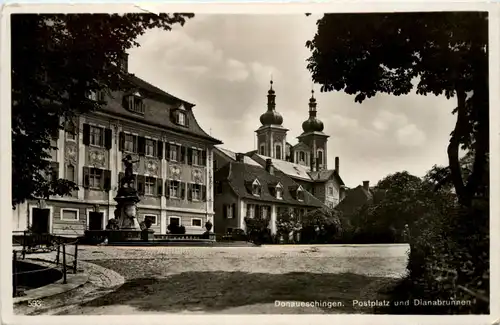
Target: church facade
column 174, row 173
column 304, row 162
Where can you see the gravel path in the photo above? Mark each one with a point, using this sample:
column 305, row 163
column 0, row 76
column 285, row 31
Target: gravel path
column 242, row 279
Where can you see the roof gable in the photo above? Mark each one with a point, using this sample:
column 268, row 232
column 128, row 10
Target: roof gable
column 240, row 175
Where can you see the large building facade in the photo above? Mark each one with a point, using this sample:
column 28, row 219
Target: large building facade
column 174, row 172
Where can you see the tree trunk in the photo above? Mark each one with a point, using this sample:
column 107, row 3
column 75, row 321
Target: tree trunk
column 453, row 149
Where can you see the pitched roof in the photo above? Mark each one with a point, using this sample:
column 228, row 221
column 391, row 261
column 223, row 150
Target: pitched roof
column 325, row 175
column 291, row 169
column 158, row 112
column 239, row 175
column 357, row 197
column 232, row 155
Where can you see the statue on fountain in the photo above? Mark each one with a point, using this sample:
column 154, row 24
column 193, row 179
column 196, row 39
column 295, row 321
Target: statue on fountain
column 127, row 198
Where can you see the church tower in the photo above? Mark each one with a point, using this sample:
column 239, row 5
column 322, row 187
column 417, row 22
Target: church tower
column 314, row 138
column 271, row 136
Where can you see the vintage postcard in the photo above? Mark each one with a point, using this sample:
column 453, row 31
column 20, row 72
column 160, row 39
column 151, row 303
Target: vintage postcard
column 188, row 162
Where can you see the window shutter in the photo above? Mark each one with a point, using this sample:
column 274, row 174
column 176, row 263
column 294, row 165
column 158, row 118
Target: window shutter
column 183, row 154
column 54, row 171
column 86, row 134
column 140, row 184
column 190, row 156
column 182, row 189
column 121, row 144
column 235, row 213
column 167, row 153
column 55, row 134
column 224, row 207
column 167, row 188
column 141, row 142
column 203, row 192
column 186, row 119
column 203, row 157
column 108, row 136
column 86, row 177
column 190, row 191
column 159, row 150
column 257, row 211
column 107, row 180
column 159, row 183
column 120, row 176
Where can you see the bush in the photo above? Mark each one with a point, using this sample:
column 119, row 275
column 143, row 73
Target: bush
column 449, row 259
column 321, row 226
column 258, row 230
column 176, row 229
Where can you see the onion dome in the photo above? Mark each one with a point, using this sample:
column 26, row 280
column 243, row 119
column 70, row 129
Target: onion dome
column 271, row 117
column 313, row 124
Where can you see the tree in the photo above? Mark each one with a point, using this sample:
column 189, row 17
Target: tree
column 286, row 223
column 57, row 60
column 323, row 225
column 436, row 52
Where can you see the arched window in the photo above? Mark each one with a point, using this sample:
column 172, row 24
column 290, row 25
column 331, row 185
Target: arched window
column 262, row 150
column 302, row 156
column 278, row 151
column 320, row 157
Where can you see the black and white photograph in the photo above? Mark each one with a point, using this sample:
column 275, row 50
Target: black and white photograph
column 200, row 163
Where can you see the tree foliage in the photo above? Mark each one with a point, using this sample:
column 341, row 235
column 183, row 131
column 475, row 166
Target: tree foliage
column 440, row 53
column 321, row 226
column 287, row 222
column 57, row 60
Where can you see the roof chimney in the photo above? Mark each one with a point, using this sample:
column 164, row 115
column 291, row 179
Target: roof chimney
column 269, row 166
column 366, row 185
column 123, row 61
column 337, row 165
column 240, row 157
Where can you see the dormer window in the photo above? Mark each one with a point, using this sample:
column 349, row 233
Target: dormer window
column 95, row 95
column 179, row 116
column 279, row 192
column 256, row 188
column 135, row 103
column 300, row 194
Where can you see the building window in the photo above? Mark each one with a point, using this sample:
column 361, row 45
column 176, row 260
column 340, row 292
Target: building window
column 136, row 104
column 174, row 221
column 250, row 210
column 196, row 192
column 149, row 186
column 70, row 173
column 229, row 230
column 130, row 143
column 300, row 195
column 95, row 176
column 174, row 151
column 264, row 212
column 181, row 118
column 96, row 136
column 302, row 156
column 196, row 222
column 150, row 147
column 320, row 158
column 229, row 211
column 256, row 189
column 151, row 218
column 174, row 189
column 70, row 214
column 330, row 191
column 196, row 157
column 96, row 95
column 70, row 131
column 278, row 152
column 262, row 150
column 279, row 193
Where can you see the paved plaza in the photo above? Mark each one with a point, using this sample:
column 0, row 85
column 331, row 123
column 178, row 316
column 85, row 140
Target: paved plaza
column 232, row 279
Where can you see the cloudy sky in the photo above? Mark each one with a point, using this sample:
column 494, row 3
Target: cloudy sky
column 223, row 64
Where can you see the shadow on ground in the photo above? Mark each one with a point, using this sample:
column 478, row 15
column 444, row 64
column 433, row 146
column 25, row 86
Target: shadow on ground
column 216, row 291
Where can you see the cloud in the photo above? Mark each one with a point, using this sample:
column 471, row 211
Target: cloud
column 410, row 135
column 385, row 120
